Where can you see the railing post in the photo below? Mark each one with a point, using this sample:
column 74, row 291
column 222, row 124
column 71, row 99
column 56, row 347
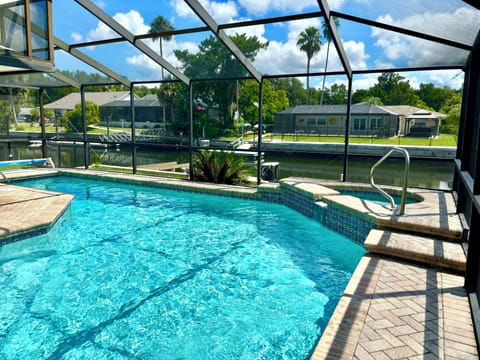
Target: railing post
column 405, row 179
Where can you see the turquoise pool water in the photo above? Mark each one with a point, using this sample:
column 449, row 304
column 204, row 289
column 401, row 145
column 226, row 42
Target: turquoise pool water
column 378, row 198
column 131, row 272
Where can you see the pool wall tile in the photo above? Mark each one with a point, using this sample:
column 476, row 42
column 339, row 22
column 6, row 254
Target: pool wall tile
column 344, row 221
column 307, row 200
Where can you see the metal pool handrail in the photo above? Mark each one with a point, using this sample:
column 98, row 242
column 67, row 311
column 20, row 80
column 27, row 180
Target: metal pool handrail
column 44, row 161
column 405, row 179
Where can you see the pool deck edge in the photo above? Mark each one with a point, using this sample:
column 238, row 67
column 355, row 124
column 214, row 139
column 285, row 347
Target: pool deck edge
column 29, row 212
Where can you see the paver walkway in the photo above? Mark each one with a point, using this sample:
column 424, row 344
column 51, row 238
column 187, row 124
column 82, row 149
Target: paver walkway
column 393, row 309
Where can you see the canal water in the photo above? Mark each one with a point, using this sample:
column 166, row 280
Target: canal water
column 434, row 174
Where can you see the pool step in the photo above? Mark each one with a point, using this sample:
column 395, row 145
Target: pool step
column 426, row 250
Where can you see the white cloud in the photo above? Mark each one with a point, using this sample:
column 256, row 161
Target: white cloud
column 418, row 52
column 222, row 12
column 132, row 21
column 296, row 27
column 254, row 30
column 364, row 81
column 77, row 37
column 285, row 57
column 153, row 70
column 450, row 78
column 262, row 7
column 356, row 54
column 101, row 4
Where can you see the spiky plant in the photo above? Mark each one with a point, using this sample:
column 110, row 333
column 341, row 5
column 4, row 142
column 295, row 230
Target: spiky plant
column 221, row 167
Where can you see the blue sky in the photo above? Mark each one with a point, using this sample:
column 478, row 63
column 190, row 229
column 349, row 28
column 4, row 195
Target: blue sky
column 365, row 46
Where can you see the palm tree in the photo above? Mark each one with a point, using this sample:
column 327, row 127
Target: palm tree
column 159, row 25
column 328, row 36
column 309, row 41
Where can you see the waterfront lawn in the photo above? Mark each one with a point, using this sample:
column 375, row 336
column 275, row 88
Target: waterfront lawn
column 442, row 140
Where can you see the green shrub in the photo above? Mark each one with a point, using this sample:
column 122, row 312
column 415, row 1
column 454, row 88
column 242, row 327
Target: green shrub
column 221, row 167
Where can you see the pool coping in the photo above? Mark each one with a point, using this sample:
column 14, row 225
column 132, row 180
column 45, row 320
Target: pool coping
column 312, row 197
column 29, row 212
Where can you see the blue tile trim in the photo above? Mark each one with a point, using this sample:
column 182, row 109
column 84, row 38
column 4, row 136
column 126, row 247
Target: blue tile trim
column 344, row 221
column 23, row 236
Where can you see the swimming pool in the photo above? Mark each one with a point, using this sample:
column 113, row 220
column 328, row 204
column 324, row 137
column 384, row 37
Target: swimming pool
column 376, row 197
column 137, row 272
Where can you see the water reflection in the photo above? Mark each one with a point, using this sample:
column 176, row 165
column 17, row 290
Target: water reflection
column 435, row 174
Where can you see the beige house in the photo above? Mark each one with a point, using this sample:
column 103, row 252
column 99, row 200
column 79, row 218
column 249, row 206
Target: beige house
column 366, row 120
column 68, row 102
column 415, row 121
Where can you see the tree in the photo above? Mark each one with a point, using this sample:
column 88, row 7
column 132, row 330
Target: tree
column 328, row 36
column 294, row 89
column 360, row 95
column 274, row 100
column 393, row 89
column 34, row 114
column 160, row 25
column 434, row 97
column 73, row 118
column 171, row 96
column 338, row 94
column 48, row 113
column 372, row 100
column 452, row 108
column 214, row 60
column 309, row 41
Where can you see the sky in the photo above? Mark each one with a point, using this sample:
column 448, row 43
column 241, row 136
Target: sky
column 366, row 47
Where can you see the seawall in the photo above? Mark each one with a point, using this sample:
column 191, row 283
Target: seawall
column 422, row 152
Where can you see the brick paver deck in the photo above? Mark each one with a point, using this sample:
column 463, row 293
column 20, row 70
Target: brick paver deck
column 393, row 309
column 26, row 211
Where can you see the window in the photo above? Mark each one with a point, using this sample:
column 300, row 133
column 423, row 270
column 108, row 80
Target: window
column 376, row 123
column 359, row 123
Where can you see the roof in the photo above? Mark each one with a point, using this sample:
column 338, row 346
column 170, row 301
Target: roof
column 362, row 108
column 68, row 102
column 408, row 111
column 413, row 112
column 150, row 100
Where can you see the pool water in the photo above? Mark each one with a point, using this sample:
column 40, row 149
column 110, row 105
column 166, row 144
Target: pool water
column 132, row 272
column 377, row 197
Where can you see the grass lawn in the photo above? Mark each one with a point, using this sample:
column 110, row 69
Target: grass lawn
column 442, row 140
column 28, row 127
